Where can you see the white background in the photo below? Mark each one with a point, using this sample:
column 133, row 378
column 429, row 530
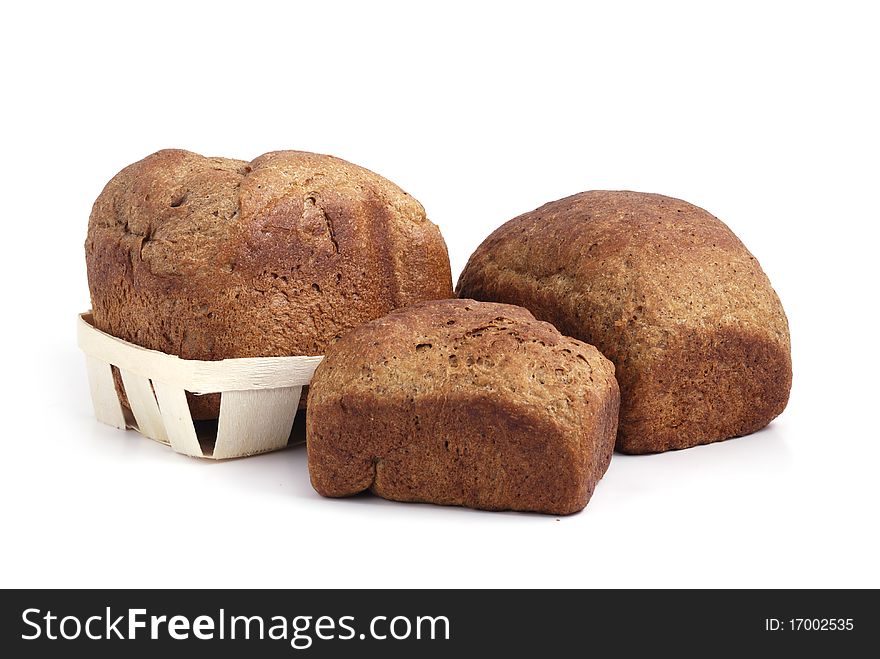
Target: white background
column 766, row 114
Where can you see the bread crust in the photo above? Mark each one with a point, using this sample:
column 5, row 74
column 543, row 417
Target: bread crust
column 462, row 403
column 212, row 258
column 663, row 289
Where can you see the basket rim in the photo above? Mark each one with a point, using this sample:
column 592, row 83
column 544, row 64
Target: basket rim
column 195, row 375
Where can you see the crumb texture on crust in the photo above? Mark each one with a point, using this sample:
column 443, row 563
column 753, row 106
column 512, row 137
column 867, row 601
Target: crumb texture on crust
column 212, row 258
column 463, row 403
column 663, row 289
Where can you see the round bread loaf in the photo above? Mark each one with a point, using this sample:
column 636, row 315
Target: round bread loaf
column 211, row 258
column 667, row 292
column 462, row 403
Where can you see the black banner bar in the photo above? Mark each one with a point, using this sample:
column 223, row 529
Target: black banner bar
column 433, row 623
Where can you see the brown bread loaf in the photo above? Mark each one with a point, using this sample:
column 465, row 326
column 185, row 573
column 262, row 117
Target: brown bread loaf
column 462, row 403
column 211, row 258
column 667, row 292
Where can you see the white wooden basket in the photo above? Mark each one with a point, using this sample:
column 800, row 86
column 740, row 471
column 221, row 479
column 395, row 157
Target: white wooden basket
column 259, row 396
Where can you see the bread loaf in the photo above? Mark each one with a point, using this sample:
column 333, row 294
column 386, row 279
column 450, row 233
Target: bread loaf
column 210, row 258
column 462, row 403
column 667, row 292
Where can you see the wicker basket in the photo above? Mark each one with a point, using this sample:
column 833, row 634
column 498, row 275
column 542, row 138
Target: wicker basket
column 259, row 396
